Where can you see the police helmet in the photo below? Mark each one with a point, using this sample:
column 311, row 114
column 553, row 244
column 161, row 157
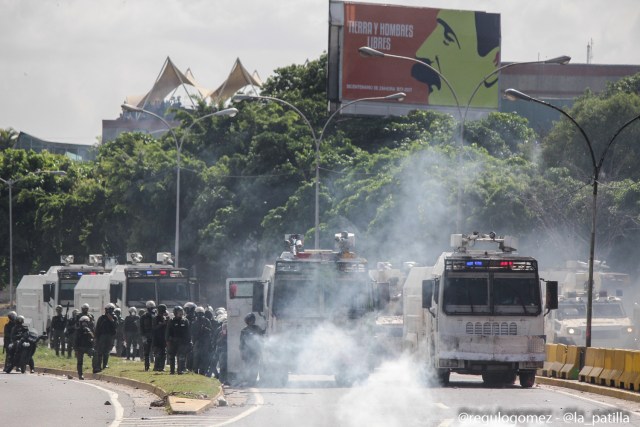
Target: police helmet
column 200, row 310
column 85, row 319
column 141, row 312
column 250, row 319
column 220, row 310
column 177, row 309
column 12, row 315
column 20, row 319
column 151, row 304
column 109, row 307
column 75, row 311
column 132, row 310
column 162, row 308
column 58, row 308
column 190, row 306
column 85, row 306
column 117, row 311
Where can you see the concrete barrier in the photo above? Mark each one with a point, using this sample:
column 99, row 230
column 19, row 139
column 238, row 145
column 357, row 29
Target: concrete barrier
column 3, row 321
column 598, row 366
column 628, row 375
column 571, row 368
column 619, row 357
column 559, row 360
column 550, row 351
column 608, row 371
column 635, row 382
column 589, row 364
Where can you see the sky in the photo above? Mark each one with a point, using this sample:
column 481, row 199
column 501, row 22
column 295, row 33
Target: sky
column 66, row 65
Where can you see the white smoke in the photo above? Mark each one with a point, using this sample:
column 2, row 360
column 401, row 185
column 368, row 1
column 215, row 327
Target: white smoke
column 396, row 387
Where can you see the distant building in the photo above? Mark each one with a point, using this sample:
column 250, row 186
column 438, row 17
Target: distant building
column 77, row 152
column 559, row 85
column 174, row 89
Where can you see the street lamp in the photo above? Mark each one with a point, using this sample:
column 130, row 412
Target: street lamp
column 369, row 52
column 512, row 95
column 9, row 183
column 229, row 112
column 393, row 97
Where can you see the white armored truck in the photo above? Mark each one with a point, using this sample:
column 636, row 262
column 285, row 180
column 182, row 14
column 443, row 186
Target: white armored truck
column 478, row 311
column 38, row 294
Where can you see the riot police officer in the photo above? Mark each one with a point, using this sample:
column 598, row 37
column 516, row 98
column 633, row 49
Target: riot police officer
column 190, row 314
column 83, row 342
column 201, row 331
column 251, row 348
column 17, row 331
column 84, row 311
column 70, row 331
column 58, row 325
column 132, row 333
column 160, row 322
column 104, row 334
column 178, row 340
column 119, row 343
column 146, row 332
column 8, row 327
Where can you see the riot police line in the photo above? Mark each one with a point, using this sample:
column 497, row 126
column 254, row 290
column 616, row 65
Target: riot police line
column 191, row 339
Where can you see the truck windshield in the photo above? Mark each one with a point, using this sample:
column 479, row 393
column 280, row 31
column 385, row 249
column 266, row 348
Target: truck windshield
column 495, row 293
column 466, row 294
column 172, row 292
column 578, row 310
column 322, row 292
column 65, row 296
column 140, row 291
column 296, row 298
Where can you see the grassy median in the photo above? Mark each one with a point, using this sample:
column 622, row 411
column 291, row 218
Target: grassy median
column 188, row 385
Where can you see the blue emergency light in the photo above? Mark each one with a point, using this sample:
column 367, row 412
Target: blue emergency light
column 474, row 263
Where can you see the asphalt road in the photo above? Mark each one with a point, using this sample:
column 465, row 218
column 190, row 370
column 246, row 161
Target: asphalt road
column 48, row 400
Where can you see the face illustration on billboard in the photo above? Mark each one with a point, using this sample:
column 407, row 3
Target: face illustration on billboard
column 464, row 47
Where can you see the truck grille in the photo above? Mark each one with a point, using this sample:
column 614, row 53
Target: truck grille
column 491, row 328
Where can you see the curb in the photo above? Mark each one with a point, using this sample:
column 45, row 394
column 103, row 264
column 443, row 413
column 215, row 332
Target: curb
column 590, row 388
column 177, row 405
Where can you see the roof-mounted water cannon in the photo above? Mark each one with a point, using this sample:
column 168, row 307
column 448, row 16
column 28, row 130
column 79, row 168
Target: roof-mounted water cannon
column 294, row 243
column 134, row 257
column 345, row 242
column 465, row 242
column 95, row 259
column 66, row 259
column 164, row 258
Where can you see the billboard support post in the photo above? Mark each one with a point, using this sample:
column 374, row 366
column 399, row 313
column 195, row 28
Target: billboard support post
column 317, row 139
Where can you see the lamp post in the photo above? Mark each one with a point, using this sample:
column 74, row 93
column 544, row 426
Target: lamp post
column 396, row 96
column 229, row 112
column 9, row 183
column 513, row 94
column 369, row 52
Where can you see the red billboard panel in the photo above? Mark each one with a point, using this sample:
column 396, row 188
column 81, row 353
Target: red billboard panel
column 463, row 46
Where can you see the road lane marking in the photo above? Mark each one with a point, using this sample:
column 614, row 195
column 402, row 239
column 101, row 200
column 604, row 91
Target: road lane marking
column 257, row 405
column 113, row 397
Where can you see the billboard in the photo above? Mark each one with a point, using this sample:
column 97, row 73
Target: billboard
column 463, row 46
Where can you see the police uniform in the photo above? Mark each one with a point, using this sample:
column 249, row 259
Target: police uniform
column 178, row 343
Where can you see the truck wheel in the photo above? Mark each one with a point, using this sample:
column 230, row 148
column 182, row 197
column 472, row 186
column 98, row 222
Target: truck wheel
column 443, row 377
column 527, row 379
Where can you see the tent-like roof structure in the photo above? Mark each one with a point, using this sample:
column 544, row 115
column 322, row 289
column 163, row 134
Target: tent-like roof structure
column 238, row 78
column 169, row 80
